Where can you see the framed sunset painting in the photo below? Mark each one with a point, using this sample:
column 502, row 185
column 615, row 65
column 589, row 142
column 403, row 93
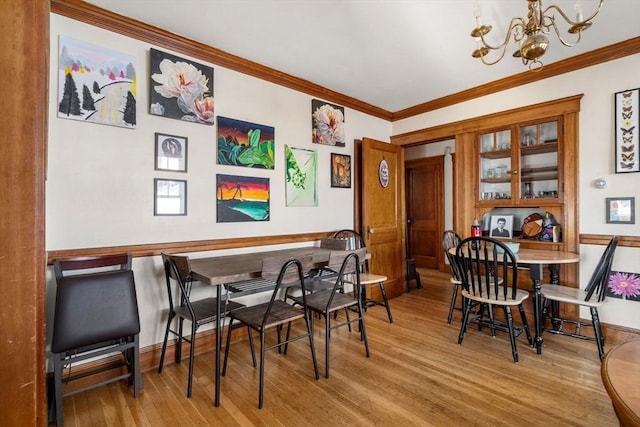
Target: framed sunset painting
column 242, row 198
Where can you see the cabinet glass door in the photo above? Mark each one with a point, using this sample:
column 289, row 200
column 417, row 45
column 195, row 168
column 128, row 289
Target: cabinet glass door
column 539, row 161
column 495, row 165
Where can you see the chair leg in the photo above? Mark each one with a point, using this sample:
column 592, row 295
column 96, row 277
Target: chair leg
column 226, row 348
column 164, row 344
column 465, row 319
column 386, row 301
column 454, row 296
column 253, row 349
column 327, row 329
column 595, row 321
column 179, row 347
column 309, row 325
column 525, row 324
column 363, row 331
column 58, row 366
column 512, row 335
column 261, row 385
column 135, row 366
column 192, row 344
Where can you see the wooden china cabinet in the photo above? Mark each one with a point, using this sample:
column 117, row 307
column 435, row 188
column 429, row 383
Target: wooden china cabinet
column 521, row 161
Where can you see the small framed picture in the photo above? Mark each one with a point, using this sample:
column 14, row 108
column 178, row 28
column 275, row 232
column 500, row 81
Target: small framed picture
column 501, row 226
column 621, row 210
column 171, row 153
column 340, row 170
column 170, row 197
column 627, row 130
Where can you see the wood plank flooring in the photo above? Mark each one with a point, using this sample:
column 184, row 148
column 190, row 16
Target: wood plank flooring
column 417, row 375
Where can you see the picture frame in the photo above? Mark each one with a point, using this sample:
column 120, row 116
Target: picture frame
column 169, row 197
column 170, row 152
column 621, row 210
column 501, row 226
column 627, row 131
column 340, row 170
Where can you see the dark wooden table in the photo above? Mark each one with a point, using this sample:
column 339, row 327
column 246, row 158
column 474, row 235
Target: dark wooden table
column 220, row 270
column 621, row 378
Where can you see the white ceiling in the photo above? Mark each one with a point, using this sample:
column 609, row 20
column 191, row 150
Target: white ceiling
column 392, row 54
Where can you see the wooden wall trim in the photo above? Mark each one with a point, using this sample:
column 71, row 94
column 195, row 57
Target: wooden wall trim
column 152, row 249
column 557, row 107
column 98, row 17
column 603, row 239
column 598, row 56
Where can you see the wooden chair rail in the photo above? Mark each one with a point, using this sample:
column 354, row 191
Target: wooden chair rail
column 152, row 249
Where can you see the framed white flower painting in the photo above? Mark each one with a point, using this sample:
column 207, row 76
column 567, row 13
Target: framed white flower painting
column 327, row 121
column 181, row 89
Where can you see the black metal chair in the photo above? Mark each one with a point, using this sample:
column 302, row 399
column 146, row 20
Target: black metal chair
column 330, row 301
column 450, row 240
column 275, row 313
column 490, row 277
column 355, row 241
column 198, row 312
column 593, row 296
column 96, row 314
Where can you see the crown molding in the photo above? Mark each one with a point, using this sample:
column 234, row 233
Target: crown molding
column 589, row 59
column 102, row 18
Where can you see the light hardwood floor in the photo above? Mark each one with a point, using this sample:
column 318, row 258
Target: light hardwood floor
column 417, row 375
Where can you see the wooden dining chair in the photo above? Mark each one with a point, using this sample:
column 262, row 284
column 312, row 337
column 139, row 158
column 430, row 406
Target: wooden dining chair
column 490, row 278
column 275, row 313
column 592, row 296
column 367, row 278
column 181, row 306
column 96, row 315
column 450, row 240
column 328, row 302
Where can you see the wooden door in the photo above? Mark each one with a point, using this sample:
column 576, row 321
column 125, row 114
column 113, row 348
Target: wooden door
column 424, row 195
column 382, row 172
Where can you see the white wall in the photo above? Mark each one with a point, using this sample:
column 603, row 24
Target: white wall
column 598, row 84
column 99, row 186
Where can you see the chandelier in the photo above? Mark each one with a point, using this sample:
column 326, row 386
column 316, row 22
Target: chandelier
column 530, row 35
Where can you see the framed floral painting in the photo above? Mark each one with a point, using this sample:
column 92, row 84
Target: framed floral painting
column 327, row 121
column 624, row 285
column 180, row 89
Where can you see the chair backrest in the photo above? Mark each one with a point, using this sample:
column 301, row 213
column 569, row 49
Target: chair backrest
column 489, row 268
column 346, row 263
column 93, row 308
column 285, row 271
column 600, row 278
column 353, row 238
column 451, row 240
column 177, row 268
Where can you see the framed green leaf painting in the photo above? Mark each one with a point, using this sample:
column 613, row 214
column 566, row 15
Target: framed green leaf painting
column 245, row 144
column 301, row 176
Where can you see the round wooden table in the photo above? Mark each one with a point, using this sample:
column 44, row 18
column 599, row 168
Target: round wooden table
column 621, row 378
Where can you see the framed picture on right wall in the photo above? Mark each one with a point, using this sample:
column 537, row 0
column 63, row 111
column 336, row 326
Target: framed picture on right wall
column 627, row 130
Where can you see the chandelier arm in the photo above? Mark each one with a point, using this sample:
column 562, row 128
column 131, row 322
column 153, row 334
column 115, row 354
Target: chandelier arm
column 569, row 20
column 485, row 62
column 512, row 25
column 563, row 41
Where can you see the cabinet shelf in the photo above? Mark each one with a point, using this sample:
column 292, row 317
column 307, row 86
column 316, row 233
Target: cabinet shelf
column 546, row 147
column 496, row 154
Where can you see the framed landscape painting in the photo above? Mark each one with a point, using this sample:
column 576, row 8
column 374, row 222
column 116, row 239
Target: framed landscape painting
column 96, row 84
column 242, row 198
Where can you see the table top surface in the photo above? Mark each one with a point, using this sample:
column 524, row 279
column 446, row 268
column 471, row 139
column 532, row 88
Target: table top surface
column 219, row 270
column 542, row 256
column 621, row 378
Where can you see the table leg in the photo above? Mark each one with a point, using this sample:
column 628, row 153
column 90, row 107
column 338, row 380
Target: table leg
column 216, row 399
column 536, row 276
